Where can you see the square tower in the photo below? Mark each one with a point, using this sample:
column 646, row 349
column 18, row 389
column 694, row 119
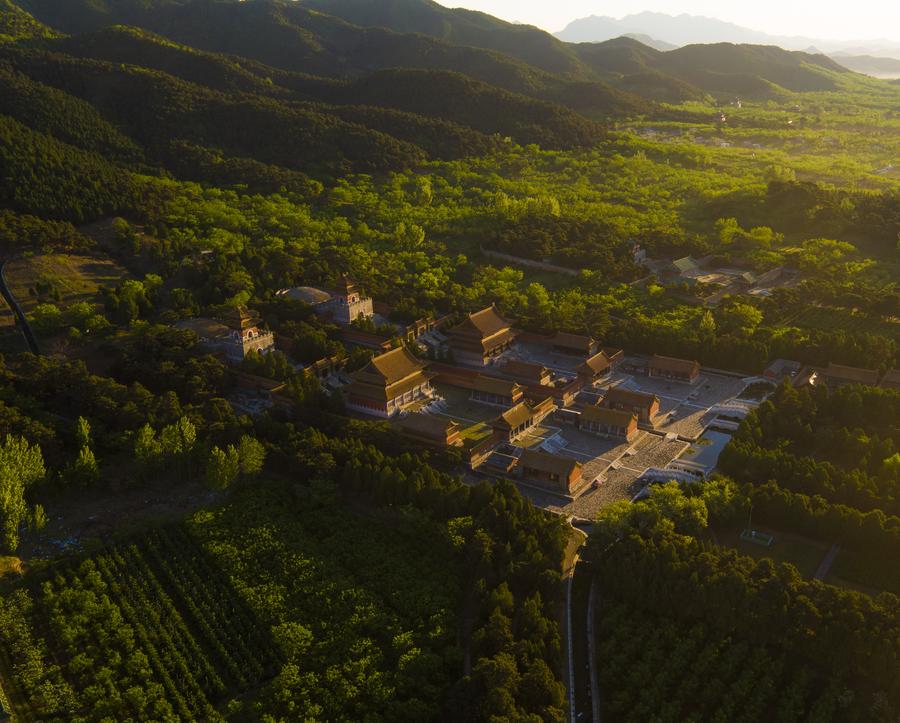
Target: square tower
column 348, row 303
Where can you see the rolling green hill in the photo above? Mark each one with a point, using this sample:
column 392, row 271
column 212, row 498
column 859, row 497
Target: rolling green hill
column 707, row 65
column 462, row 27
column 294, row 37
column 134, row 46
column 16, row 24
column 478, row 105
column 283, row 92
column 155, row 108
column 721, row 68
column 70, row 119
column 44, row 175
column 439, row 119
column 350, row 38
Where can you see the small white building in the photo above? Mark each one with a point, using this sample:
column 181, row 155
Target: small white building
column 246, row 334
column 348, row 304
column 236, row 334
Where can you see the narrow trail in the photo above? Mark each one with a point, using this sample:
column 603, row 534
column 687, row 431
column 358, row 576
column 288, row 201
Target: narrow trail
column 568, row 633
column 827, row 562
column 569, row 640
column 592, row 652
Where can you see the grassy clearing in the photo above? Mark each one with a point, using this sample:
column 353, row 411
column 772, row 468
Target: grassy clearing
column 853, row 570
column 475, row 433
column 801, row 552
column 75, row 278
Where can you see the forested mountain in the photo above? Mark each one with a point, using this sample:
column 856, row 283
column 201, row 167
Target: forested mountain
column 198, row 520
column 350, row 38
column 289, row 36
column 463, row 27
column 291, row 89
column 706, row 67
column 315, row 89
column 15, row 23
column 713, row 66
column 308, row 91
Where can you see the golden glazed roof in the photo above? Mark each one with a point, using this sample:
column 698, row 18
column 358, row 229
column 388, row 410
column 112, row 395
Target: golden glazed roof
column 552, row 463
column 671, row 364
column 485, row 323
column 612, row 417
column 390, row 367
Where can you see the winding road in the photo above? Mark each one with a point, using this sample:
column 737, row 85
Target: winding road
column 21, row 320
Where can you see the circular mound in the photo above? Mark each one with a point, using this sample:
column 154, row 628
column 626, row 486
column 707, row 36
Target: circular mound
column 308, row 294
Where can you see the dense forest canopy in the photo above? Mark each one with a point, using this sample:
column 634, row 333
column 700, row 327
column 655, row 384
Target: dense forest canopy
column 165, row 163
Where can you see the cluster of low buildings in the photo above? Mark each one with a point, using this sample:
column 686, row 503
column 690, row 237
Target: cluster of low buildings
column 730, row 281
column 480, row 361
column 481, row 367
column 833, row 376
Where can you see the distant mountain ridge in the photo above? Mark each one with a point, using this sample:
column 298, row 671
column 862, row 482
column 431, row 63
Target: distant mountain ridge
column 878, row 67
column 281, row 93
column 350, row 39
column 288, row 96
column 651, row 42
column 692, row 29
column 628, row 64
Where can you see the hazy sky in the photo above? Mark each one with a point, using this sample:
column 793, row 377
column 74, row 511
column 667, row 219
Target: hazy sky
column 826, row 19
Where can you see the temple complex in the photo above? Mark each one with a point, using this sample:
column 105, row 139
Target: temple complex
column 389, row 383
column 481, row 337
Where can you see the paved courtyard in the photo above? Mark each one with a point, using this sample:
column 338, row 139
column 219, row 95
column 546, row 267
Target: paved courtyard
column 615, row 464
column 563, row 364
column 684, row 409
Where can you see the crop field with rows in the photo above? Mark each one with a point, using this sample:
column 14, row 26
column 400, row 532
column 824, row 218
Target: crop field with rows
column 148, row 628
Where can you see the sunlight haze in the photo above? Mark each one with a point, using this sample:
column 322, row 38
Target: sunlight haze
column 869, row 19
